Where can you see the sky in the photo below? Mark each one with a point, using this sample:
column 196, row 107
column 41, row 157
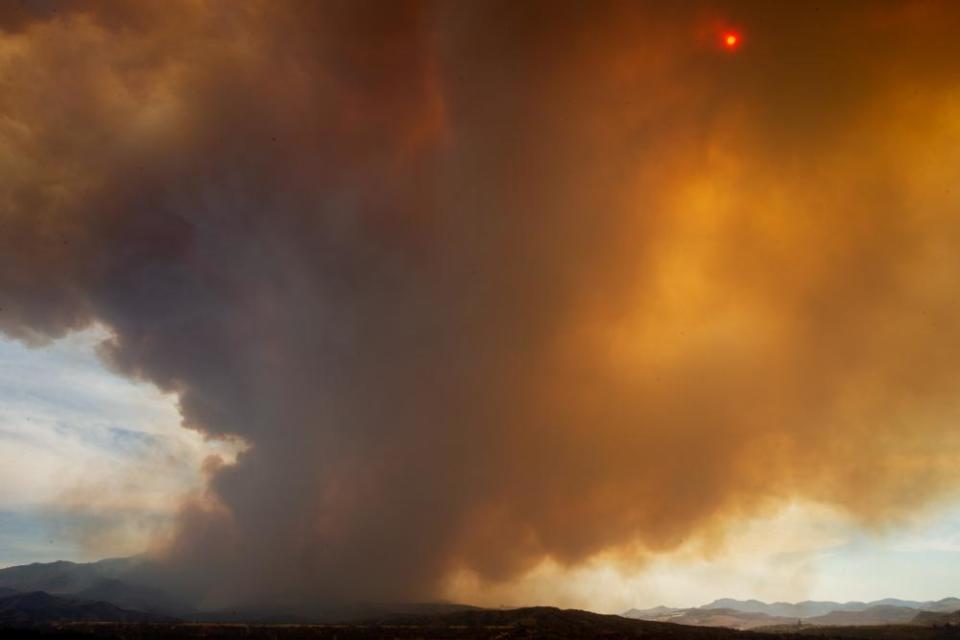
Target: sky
column 93, row 463
column 320, row 302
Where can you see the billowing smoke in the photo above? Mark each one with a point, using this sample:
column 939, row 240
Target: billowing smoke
column 486, row 283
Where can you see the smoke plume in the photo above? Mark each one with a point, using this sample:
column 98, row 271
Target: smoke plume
column 485, row 283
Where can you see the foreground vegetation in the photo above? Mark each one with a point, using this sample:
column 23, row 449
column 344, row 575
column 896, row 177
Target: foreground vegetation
column 530, row 623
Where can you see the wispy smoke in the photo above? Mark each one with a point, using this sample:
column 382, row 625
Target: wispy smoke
column 486, row 283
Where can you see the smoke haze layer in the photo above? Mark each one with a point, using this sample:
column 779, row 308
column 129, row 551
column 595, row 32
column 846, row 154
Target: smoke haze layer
column 482, row 284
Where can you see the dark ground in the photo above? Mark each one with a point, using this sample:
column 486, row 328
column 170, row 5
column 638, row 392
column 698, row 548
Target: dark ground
column 530, row 623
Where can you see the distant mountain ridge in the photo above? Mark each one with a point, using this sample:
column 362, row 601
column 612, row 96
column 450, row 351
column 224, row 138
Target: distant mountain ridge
column 811, row 608
column 38, row 607
column 730, row 618
column 114, row 580
column 879, row 614
column 123, row 583
column 754, row 614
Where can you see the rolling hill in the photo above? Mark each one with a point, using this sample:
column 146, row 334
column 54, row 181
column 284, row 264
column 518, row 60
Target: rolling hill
column 754, row 614
column 114, row 580
column 38, row 607
column 937, row 618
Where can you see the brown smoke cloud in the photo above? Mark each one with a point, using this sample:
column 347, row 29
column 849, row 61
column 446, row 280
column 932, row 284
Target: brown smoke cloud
column 487, row 283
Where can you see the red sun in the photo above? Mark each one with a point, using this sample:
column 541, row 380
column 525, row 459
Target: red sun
column 731, row 40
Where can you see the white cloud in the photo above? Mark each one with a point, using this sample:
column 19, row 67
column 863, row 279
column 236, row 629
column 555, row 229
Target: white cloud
column 80, row 445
